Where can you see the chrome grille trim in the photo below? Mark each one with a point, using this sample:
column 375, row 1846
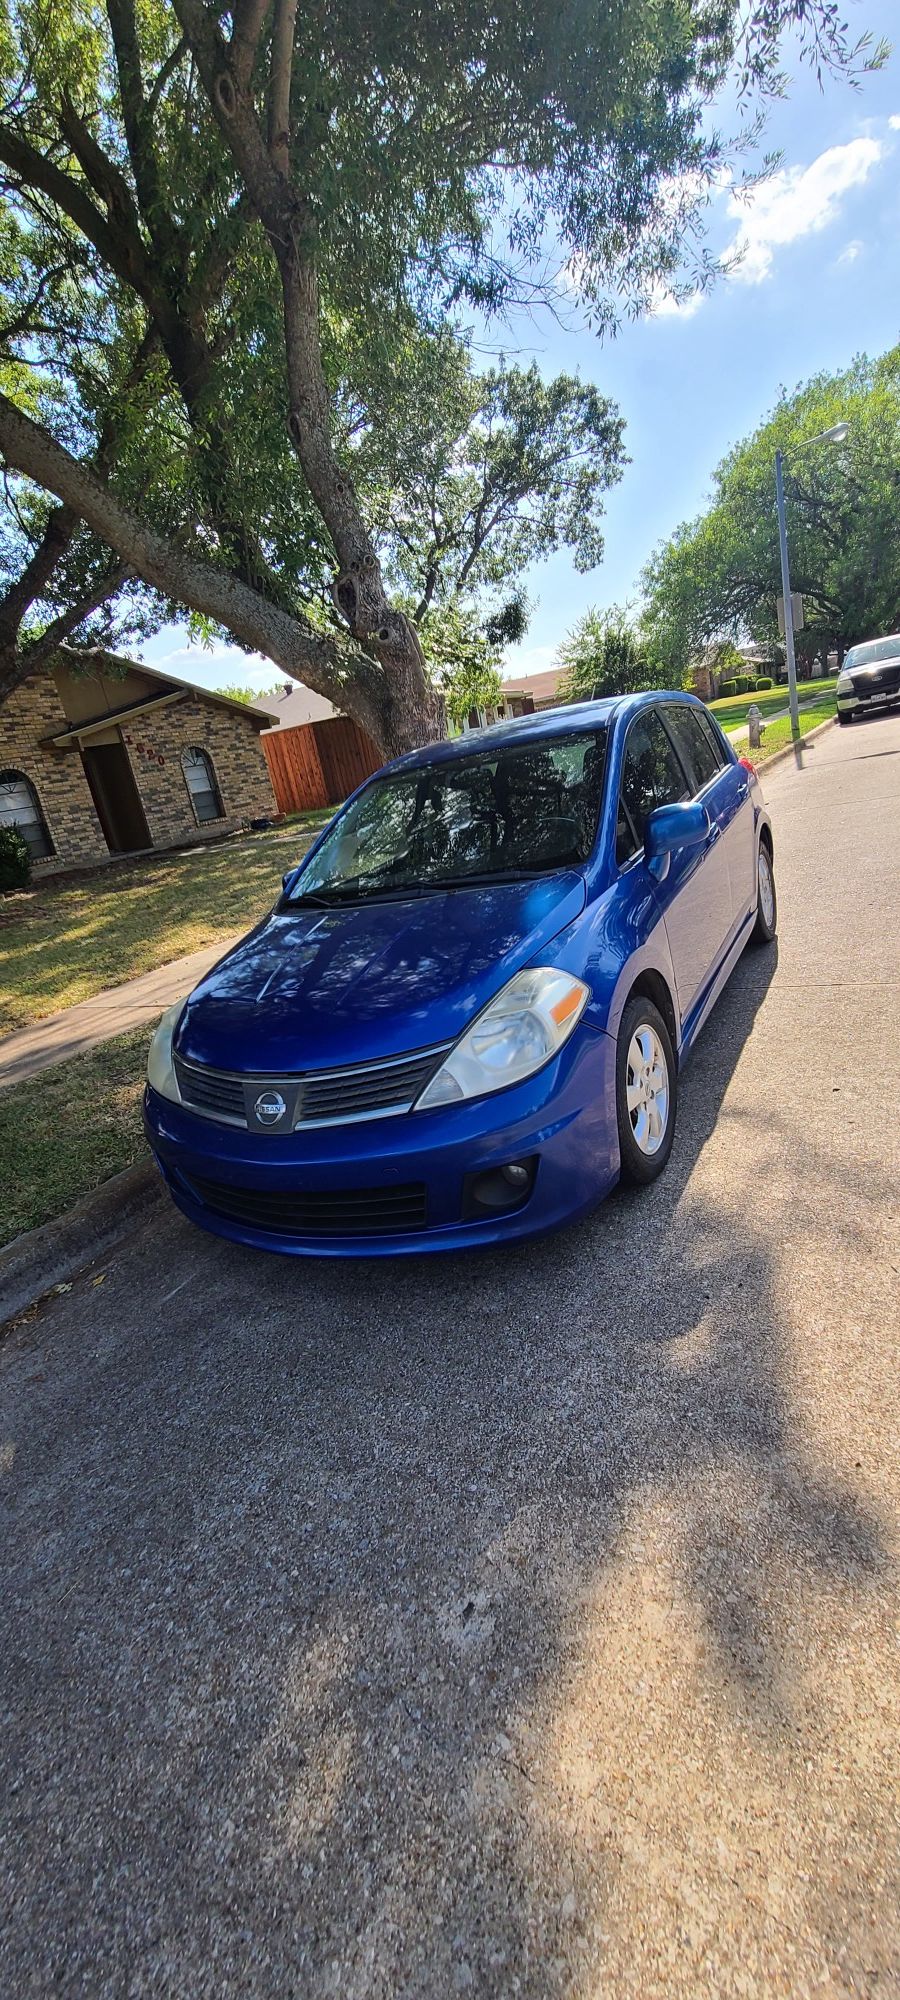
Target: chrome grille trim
column 346, row 1096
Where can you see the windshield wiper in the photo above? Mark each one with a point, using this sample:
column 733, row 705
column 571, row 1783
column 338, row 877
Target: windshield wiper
column 330, row 899
column 500, row 875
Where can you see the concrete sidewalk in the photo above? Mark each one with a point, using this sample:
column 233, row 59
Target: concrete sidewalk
column 114, row 1012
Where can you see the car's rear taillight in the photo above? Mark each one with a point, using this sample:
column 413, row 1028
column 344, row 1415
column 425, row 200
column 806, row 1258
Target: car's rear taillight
column 747, row 766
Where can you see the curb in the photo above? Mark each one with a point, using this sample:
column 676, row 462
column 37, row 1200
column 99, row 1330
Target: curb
column 778, row 756
column 53, row 1254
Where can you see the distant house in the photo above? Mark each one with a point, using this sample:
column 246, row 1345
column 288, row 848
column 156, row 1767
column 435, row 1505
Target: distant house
column 520, row 697
column 294, row 706
column 104, row 756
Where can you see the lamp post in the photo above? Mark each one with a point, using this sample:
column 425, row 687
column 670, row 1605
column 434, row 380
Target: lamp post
column 835, row 435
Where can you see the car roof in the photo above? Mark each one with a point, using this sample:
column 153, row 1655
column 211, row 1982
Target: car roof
column 572, row 719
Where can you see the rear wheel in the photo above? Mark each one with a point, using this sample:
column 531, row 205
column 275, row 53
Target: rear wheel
column 646, row 1092
column 766, row 900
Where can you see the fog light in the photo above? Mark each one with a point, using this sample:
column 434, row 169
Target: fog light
column 498, row 1189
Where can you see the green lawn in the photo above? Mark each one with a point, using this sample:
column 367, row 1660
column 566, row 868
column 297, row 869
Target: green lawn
column 70, row 937
column 731, row 713
column 778, row 734
column 67, row 1130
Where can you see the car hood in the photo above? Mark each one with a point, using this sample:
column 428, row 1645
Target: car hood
column 312, row 988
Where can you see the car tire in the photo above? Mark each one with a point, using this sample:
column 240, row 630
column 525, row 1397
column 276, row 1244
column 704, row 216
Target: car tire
column 766, row 899
column 844, row 719
column 643, row 1050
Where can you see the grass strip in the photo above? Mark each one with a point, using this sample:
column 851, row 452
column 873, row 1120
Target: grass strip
column 65, row 1131
column 730, row 714
column 777, row 735
column 67, row 938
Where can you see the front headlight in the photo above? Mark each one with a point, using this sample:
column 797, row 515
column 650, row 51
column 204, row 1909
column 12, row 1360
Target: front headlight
column 519, row 1030
column 160, row 1067
column 844, row 684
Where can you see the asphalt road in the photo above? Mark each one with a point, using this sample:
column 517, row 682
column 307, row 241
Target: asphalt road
column 514, row 1625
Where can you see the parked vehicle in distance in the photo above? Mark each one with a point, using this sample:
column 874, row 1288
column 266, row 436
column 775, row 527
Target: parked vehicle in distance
column 869, row 677
column 465, row 1017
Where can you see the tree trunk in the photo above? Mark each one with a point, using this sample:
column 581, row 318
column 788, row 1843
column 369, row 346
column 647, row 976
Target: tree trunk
column 412, row 712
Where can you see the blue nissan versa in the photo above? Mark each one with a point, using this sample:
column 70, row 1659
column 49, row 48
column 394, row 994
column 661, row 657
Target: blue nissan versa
column 464, row 1018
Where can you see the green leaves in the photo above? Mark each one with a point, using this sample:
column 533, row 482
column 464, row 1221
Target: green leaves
column 719, row 576
column 607, row 653
column 462, row 660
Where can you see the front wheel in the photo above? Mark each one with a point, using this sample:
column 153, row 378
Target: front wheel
column 766, row 901
column 844, row 719
column 646, row 1092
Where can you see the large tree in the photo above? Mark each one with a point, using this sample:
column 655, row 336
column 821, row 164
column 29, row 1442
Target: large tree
column 234, row 237
column 719, row 577
column 607, row 653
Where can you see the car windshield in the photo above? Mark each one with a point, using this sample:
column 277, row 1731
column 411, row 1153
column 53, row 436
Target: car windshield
column 496, row 815
column 872, row 651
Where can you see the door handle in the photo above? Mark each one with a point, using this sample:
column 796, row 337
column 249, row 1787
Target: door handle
column 713, row 834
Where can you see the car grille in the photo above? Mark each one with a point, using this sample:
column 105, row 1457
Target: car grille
column 878, row 680
column 322, row 1212
column 316, row 1097
column 212, row 1090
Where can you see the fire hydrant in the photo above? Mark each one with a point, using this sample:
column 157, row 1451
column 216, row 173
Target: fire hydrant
column 757, row 725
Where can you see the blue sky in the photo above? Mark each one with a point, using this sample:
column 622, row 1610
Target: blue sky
column 818, row 283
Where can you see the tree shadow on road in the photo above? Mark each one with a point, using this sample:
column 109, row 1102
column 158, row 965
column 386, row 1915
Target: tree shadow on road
column 407, row 1625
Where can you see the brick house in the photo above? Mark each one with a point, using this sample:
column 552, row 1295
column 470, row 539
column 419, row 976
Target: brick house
column 105, row 756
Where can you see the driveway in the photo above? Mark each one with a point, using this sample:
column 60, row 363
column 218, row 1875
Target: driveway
column 520, row 1625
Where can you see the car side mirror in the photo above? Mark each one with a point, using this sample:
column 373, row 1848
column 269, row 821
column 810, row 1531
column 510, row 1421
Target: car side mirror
column 670, row 827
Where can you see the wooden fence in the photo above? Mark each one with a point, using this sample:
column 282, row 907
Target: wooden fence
column 318, row 763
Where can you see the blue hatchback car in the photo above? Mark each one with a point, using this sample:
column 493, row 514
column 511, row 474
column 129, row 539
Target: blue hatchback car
column 464, row 1019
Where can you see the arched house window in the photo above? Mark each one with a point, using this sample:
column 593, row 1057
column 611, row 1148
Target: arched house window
column 200, row 778
column 21, row 807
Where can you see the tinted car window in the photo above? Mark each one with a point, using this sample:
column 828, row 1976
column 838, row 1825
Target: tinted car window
column 520, row 809
column 693, row 744
column 651, row 776
column 714, row 737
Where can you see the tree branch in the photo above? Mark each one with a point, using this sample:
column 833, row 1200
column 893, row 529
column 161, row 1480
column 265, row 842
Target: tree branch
column 36, row 170
column 249, row 16
column 138, row 121
column 164, row 74
column 280, row 85
column 56, row 539
column 70, row 619
column 325, row 662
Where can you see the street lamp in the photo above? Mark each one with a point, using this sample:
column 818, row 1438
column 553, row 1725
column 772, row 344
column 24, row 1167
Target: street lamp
column 835, row 435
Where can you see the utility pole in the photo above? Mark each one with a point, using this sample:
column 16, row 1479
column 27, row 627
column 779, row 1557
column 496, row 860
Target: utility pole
column 788, row 606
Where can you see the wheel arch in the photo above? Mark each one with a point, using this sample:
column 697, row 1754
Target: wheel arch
column 651, row 985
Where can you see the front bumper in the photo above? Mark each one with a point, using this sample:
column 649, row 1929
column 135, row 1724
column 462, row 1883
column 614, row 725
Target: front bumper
column 865, row 702
column 564, row 1118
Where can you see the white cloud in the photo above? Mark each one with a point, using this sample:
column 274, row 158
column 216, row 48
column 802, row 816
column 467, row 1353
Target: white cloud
column 894, row 123
column 663, row 304
column 851, row 251
column 796, row 202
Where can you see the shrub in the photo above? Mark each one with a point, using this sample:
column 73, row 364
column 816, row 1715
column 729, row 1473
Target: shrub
column 15, row 860
column 743, row 684
column 726, row 688
column 765, row 681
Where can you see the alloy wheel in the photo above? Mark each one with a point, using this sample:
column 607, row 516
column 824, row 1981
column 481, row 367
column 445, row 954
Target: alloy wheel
column 766, row 884
column 647, row 1089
